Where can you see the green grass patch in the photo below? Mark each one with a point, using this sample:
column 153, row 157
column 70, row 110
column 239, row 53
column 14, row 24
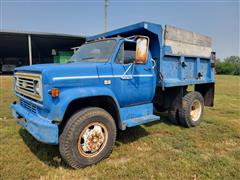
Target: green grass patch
column 157, row 150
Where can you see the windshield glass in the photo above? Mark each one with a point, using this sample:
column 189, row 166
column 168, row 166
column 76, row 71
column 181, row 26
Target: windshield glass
column 99, row 51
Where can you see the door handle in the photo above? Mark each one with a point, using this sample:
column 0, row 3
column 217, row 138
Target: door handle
column 147, row 69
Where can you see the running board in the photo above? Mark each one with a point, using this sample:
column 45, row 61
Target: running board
column 137, row 115
column 141, row 120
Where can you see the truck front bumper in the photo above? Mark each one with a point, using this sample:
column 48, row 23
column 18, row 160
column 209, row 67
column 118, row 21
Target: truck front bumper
column 40, row 128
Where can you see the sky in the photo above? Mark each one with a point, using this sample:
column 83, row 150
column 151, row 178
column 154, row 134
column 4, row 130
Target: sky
column 218, row 19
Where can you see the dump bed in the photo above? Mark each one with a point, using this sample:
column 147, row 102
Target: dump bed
column 183, row 57
column 187, row 43
column 186, row 58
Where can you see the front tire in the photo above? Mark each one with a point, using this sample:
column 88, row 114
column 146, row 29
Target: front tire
column 87, row 138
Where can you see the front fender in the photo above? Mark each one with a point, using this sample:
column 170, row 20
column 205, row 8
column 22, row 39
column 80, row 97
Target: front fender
column 70, row 94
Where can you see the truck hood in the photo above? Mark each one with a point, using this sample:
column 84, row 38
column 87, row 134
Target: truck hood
column 63, row 74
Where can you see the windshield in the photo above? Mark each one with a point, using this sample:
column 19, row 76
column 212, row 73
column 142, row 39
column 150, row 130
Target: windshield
column 99, row 51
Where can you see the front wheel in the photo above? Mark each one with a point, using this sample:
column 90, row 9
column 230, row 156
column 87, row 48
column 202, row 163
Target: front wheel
column 192, row 109
column 87, row 138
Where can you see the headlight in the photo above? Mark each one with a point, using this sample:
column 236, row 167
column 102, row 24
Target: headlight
column 36, row 87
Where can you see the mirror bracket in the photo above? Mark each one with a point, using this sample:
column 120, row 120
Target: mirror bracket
column 154, row 63
column 125, row 76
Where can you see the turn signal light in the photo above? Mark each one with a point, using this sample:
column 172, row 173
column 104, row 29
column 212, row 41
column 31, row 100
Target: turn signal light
column 54, row 92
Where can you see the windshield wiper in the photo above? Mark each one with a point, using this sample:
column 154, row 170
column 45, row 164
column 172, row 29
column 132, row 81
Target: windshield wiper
column 86, row 58
column 71, row 61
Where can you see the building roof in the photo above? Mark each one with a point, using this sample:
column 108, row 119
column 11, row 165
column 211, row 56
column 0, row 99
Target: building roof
column 16, row 42
column 16, row 32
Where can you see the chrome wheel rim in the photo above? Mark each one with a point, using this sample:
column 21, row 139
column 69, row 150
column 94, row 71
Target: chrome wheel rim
column 92, row 139
column 196, row 110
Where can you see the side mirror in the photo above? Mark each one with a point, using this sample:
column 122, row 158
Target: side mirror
column 142, row 50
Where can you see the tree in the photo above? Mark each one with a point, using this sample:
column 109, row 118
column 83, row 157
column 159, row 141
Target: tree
column 230, row 65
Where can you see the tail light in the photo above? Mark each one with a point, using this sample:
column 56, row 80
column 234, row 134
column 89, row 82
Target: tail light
column 213, row 59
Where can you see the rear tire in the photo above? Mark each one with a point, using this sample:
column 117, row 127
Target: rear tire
column 192, row 109
column 173, row 114
column 87, row 138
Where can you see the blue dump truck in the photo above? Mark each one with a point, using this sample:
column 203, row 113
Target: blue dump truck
column 115, row 81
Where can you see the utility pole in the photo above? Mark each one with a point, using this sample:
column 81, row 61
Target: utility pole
column 105, row 14
column 30, row 49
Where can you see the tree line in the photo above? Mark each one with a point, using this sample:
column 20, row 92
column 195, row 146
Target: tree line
column 229, row 65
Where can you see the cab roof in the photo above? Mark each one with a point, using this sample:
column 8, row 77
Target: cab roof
column 152, row 30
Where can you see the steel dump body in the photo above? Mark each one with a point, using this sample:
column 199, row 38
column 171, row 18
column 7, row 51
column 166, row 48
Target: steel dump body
column 176, row 66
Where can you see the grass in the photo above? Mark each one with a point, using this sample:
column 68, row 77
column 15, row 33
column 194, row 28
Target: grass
column 157, row 150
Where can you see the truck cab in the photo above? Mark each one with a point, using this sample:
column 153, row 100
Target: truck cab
column 114, row 81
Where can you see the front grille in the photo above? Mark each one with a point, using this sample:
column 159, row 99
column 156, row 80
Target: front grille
column 25, row 85
column 28, row 106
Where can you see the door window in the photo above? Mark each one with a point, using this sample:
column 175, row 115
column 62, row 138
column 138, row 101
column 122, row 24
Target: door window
column 126, row 53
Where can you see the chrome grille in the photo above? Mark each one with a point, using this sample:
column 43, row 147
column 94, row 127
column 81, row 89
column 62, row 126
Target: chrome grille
column 28, row 106
column 25, row 85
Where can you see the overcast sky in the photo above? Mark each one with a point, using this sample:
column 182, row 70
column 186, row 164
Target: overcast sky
column 216, row 18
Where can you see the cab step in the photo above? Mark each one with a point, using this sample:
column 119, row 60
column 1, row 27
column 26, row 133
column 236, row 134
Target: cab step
column 136, row 115
column 141, row 120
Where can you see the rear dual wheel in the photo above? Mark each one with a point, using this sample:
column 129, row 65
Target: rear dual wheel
column 191, row 111
column 87, row 138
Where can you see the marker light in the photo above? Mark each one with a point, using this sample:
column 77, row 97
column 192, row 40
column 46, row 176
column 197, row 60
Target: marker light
column 213, row 59
column 54, row 92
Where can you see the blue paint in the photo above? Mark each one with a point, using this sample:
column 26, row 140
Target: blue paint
column 136, row 115
column 40, row 128
column 133, row 96
column 169, row 66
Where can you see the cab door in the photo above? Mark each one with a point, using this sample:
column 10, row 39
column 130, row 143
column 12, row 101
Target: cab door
column 133, row 84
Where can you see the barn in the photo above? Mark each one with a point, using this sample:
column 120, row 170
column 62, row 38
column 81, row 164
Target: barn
column 27, row 48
